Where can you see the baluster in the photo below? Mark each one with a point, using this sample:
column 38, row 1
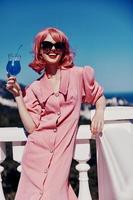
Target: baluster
column 84, row 191
column 2, row 158
column 18, row 148
column 82, row 155
column 2, row 197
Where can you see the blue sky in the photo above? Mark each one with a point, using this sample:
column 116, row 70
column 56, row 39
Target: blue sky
column 100, row 33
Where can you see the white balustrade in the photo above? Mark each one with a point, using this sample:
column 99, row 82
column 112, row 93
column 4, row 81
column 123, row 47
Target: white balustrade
column 16, row 136
column 114, row 152
column 81, row 154
column 115, row 155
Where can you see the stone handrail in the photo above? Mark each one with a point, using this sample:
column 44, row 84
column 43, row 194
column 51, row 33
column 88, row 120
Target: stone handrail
column 114, row 154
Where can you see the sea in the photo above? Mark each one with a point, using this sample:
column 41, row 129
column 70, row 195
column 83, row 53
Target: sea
column 125, row 96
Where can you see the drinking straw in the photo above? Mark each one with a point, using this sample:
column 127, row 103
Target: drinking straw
column 18, row 49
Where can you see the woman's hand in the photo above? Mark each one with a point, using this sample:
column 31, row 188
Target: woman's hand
column 13, row 87
column 97, row 122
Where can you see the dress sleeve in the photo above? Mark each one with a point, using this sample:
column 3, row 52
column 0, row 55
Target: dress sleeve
column 32, row 104
column 91, row 90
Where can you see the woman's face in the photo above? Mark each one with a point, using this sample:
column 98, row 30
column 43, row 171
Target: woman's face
column 51, row 54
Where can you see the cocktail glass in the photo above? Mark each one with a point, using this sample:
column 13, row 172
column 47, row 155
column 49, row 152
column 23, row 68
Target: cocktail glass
column 13, row 66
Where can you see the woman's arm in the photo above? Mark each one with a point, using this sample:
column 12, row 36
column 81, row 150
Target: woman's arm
column 13, row 87
column 93, row 94
column 98, row 118
column 27, row 121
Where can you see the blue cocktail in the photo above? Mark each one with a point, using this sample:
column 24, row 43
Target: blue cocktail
column 13, row 66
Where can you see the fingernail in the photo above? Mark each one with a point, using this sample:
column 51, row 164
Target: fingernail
column 100, row 134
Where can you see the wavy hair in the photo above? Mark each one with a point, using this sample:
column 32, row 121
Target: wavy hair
column 38, row 64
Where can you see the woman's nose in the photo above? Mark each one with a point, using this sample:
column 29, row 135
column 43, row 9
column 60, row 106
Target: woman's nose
column 53, row 47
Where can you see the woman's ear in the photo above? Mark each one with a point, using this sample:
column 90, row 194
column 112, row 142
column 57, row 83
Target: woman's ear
column 41, row 54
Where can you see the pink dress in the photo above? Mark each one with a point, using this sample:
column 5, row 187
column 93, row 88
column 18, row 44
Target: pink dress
column 49, row 149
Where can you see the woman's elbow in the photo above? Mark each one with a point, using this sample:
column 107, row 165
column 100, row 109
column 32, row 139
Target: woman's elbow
column 30, row 129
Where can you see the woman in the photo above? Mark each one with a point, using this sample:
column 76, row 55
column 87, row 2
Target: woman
column 50, row 110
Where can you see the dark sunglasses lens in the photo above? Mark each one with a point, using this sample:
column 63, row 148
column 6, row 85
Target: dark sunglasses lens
column 46, row 45
column 60, row 45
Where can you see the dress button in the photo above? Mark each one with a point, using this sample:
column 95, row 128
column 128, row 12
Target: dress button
column 58, row 113
column 51, row 150
column 55, row 129
column 46, row 171
column 56, row 94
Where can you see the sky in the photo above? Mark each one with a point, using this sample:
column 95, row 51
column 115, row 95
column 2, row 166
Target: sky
column 100, row 33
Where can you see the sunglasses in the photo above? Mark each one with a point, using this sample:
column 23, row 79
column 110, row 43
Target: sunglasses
column 47, row 46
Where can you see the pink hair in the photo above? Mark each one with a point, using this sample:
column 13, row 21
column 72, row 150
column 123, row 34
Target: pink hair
column 38, row 64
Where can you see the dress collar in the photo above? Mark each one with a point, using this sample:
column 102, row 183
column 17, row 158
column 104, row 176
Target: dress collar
column 46, row 89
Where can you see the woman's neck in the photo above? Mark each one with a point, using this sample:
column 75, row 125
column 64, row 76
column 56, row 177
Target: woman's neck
column 52, row 71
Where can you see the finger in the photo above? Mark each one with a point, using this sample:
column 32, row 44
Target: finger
column 99, row 127
column 96, row 127
column 10, row 83
column 93, row 125
column 93, row 130
column 9, row 86
column 11, row 78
